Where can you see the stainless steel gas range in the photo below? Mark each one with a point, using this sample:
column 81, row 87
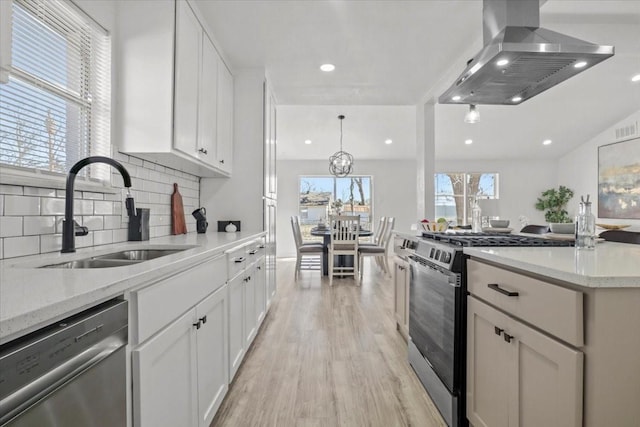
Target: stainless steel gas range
column 438, row 312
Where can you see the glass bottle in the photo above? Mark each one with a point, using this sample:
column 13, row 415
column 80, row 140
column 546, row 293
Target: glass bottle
column 585, row 227
column 476, row 217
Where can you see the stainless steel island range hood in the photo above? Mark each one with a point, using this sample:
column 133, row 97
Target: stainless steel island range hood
column 520, row 60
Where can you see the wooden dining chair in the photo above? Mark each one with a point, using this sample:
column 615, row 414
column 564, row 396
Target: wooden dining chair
column 344, row 241
column 304, row 249
column 378, row 232
column 380, row 251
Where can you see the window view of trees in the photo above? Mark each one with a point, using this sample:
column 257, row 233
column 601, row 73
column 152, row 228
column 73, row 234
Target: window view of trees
column 321, row 196
column 455, row 192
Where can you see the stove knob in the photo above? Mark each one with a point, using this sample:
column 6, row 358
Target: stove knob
column 432, row 253
column 446, row 257
column 437, row 255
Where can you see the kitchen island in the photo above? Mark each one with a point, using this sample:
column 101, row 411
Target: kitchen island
column 552, row 335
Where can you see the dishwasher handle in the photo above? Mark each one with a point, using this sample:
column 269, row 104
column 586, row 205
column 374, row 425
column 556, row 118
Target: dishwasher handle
column 21, row 399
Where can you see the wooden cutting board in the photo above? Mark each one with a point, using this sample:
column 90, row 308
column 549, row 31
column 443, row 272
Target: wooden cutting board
column 178, row 225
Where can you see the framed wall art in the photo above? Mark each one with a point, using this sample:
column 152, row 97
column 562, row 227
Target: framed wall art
column 619, row 180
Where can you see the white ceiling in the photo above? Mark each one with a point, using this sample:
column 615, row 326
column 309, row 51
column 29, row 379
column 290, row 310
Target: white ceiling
column 394, row 54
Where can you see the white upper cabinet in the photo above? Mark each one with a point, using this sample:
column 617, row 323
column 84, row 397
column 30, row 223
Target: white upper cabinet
column 224, row 149
column 174, row 99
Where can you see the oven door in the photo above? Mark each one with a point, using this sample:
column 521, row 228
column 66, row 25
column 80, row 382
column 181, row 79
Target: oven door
column 434, row 318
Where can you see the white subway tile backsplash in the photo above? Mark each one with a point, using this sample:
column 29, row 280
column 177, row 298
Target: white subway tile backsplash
column 10, row 226
column 36, row 225
column 52, row 206
column 103, row 207
column 83, row 207
column 11, row 189
column 102, row 237
column 31, row 217
column 93, row 222
column 50, row 243
column 92, row 196
column 21, row 205
column 35, row 191
column 120, row 235
column 112, row 222
column 21, row 246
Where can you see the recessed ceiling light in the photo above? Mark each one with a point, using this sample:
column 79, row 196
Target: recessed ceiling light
column 388, row 141
column 502, row 62
column 327, row 67
column 468, row 141
column 516, row 99
column 546, row 142
column 307, row 141
column 456, row 98
column 580, row 64
column 636, row 78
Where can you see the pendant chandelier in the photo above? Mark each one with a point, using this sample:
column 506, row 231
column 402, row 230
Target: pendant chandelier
column 341, row 163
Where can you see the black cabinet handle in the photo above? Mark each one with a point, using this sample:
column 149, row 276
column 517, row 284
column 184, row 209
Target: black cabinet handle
column 197, row 325
column 222, row 161
column 203, row 319
column 259, row 267
column 203, row 151
column 239, row 260
column 497, row 330
column 253, row 252
column 497, row 288
column 508, row 337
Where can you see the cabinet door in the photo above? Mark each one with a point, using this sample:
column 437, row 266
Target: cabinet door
column 187, row 70
column 546, row 386
column 487, row 366
column 213, row 353
column 224, row 140
column 164, row 376
column 261, row 291
column 250, row 320
column 236, row 319
column 208, row 103
column 401, row 295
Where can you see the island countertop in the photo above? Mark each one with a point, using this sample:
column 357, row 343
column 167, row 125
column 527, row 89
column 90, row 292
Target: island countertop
column 609, row 265
column 32, row 297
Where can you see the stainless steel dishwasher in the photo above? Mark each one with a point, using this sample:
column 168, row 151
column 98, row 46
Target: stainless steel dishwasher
column 71, row 373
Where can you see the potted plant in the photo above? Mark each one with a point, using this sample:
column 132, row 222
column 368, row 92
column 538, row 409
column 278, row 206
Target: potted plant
column 554, row 203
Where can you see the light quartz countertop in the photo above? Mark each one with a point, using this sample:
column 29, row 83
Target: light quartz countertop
column 32, row 297
column 609, row 265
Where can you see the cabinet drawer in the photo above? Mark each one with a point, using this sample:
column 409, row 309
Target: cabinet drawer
column 255, row 251
column 160, row 303
column 237, row 260
column 552, row 308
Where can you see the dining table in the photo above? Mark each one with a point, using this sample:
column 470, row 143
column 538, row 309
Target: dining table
column 340, row 260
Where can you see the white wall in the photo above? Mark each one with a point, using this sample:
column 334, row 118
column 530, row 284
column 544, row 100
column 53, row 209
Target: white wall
column 520, row 184
column 394, row 193
column 579, row 169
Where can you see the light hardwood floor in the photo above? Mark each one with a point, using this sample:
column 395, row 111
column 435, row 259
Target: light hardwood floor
column 328, row 357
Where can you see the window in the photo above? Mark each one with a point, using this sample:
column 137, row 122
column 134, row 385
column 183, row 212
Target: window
column 455, row 191
column 55, row 107
column 321, row 195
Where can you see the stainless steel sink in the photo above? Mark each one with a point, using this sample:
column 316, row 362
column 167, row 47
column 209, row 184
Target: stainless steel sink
column 138, row 254
column 92, row 263
column 119, row 259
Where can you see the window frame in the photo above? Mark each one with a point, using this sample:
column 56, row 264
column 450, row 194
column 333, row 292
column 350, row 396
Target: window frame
column 466, row 197
column 98, row 104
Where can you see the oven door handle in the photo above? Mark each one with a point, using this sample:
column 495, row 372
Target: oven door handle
column 431, row 270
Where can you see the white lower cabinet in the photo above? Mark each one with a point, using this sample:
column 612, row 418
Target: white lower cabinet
column 236, row 320
column 180, row 375
column 213, row 355
column 165, row 389
column 517, row 376
column 401, row 276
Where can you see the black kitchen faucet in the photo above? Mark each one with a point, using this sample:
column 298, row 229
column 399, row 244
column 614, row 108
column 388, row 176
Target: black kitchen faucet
column 70, row 228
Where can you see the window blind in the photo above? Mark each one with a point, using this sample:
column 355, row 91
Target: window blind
column 56, row 107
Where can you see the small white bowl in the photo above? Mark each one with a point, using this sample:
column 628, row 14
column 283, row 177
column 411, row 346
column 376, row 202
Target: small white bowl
column 562, row 228
column 499, row 223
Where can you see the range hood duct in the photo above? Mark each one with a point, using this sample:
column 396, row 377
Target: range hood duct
column 537, row 59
